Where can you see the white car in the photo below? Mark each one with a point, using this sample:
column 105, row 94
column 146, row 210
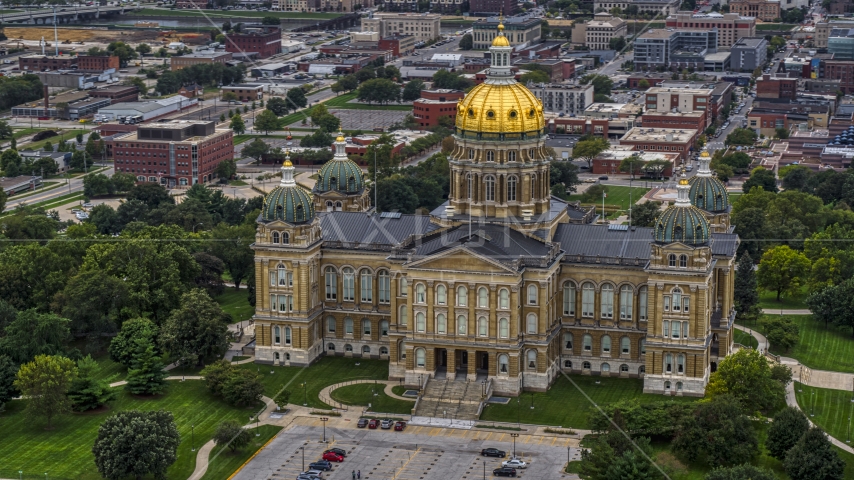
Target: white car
column 514, row 463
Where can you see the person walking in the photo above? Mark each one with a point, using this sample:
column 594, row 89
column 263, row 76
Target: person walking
column 354, row 475
column 359, row 474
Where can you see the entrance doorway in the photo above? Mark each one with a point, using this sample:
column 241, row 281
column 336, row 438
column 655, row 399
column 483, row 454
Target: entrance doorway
column 441, row 358
column 483, row 361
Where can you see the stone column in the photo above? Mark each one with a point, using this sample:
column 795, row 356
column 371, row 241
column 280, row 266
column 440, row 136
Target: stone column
column 303, row 289
column 543, row 320
column 471, row 328
column 452, row 364
column 492, row 325
column 472, row 365
column 514, row 312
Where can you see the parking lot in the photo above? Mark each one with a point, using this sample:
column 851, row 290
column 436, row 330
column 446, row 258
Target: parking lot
column 418, row 453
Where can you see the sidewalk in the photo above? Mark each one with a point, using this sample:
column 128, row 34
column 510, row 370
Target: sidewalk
column 780, row 311
column 326, row 398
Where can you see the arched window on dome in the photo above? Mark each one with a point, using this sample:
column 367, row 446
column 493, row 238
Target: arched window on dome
column 677, row 232
column 511, row 155
column 489, row 183
column 511, row 184
column 333, row 182
column 339, row 206
column 490, row 155
column 699, row 234
column 299, row 214
column 351, row 184
column 275, row 237
column 286, row 239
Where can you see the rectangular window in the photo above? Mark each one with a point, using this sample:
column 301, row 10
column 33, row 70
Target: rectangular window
column 272, row 278
column 569, row 300
column 666, row 303
column 282, row 277
column 385, row 288
column 273, row 303
column 290, row 279
column 587, row 297
column 283, row 303
column 686, row 302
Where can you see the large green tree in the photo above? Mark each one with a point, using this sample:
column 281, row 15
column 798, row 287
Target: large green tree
column 781, row 332
column 746, row 291
column 718, row 434
column 232, row 245
column 237, row 124
column 136, row 444
column 145, row 374
column 741, row 472
column 788, row 427
column 412, row 90
column 813, row 458
column 8, row 373
column 266, row 122
column 32, row 334
column 746, row 377
column 123, row 345
column 278, row 105
column 198, row 327
column 763, row 178
column 89, row 390
column 644, row 214
column 232, row 435
column 782, row 270
column 834, row 304
column 588, row 148
column 45, row 382
column 93, row 302
column 256, row 149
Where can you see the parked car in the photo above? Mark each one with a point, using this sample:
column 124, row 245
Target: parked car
column 363, row 422
column 333, row 457
column 373, row 424
column 504, row 472
column 493, row 452
column 303, row 476
column 320, row 465
column 339, row 451
column 514, row 463
column 603, row 177
column 399, row 426
column 386, row 424
column 312, row 472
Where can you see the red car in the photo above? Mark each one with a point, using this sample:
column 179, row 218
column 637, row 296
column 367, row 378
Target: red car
column 373, row 424
column 399, row 426
column 333, row 457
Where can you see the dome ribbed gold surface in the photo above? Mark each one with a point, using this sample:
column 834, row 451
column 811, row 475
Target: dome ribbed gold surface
column 502, row 108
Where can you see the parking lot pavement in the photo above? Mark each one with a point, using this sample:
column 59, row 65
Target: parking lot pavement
column 418, row 453
column 368, row 119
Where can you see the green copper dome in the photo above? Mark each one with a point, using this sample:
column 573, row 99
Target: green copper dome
column 709, row 194
column 340, row 174
column 682, row 222
column 288, row 202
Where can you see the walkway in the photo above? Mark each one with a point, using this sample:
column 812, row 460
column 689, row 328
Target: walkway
column 781, row 311
column 326, row 397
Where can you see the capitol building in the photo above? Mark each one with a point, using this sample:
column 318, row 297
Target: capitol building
column 503, row 282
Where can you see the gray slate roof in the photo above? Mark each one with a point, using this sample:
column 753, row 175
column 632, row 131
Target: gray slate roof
column 369, row 231
column 495, row 241
column 600, row 240
column 724, row 244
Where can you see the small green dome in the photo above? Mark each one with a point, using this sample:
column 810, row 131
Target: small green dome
column 709, row 194
column 291, row 204
column 341, row 175
column 685, row 224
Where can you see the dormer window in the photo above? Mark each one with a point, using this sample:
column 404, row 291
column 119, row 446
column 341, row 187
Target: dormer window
column 512, row 114
column 490, row 114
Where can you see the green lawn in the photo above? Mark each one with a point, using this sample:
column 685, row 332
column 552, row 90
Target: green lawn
column 324, row 372
column 233, row 13
column 67, row 135
column 745, row 339
column 236, row 303
column 66, row 451
column 832, row 408
column 399, row 390
column 617, row 195
column 820, row 347
column 769, row 300
column 223, row 462
column 363, row 393
column 550, row 408
column 341, row 101
column 23, row 132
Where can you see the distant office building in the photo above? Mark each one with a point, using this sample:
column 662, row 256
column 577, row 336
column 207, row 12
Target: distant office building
column 668, row 140
column 664, row 7
column 730, row 26
column 597, row 33
column 435, row 104
column 424, row 27
column 767, row 87
column 748, row 54
column 492, row 7
column 249, row 92
column 90, row 63
column 264, row 40
column 517, row 30
column 841, row 43
column 198, row 58
column 765, row 10
column 565, row 99
column 673, row 49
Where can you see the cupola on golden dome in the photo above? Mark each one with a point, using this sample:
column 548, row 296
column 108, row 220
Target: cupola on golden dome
column 500, row 40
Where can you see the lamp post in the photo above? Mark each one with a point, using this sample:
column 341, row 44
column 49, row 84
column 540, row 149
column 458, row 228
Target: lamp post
column 305, row 394
column 484, row 470
column 324, row 420
column 193, row 437
column 812, row 397
column 532, row 400
column 303, row 458
column 514, row 435
column 519, row 410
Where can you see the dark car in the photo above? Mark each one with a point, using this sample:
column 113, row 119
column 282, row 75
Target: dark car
column 504, row 472
column 373, row 424
column 320, row 465
column 399, row 426
column 339, row 451
column 363, row 422
column 493, row 452
column 603, row 177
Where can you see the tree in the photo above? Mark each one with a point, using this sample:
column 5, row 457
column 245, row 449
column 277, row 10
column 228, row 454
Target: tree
column 365, row 74
column 788, row 427
column 644, row 84
column 8, row 372
column 216, row 374
column 89, row 390
column 762, row 178
column 741, row 136
column 278, row 106
column 328, row 123
column 256, row 149
column 229, row 97
column 781, row 133
column 741, row 472
column 198, row 327
column 632, row 164
column 535, row 76
column 151, row 194
column 394, row 195
column 242, row 388
column 587, row 149
column 594, row 193
column 617, row 43
column 93, row 302
column 467, row 42
column 231, row 434
column 782, row 270
column 602, row 84
column 319, row 139
column 813, row 458
column 139, row 84
column 232, row 245
column 271, row 20
column 296, row 98
column 348, row 83
column 226, row 169
column 6, row 130
column 237, row 124
column 781, row 332
column 718, row 434
column 564, row 176
column 615, row 456
column 123, row 51
column 746, row 291
column 145, row 374
column 378, row 90
column 833, row 304
column 34, row 334
column 644, row 214
column 266, row 121
column 136, row 444
column 123, row 346
column 746, row 377
column 45, row 382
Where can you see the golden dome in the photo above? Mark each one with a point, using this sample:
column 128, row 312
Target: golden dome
column 704, row 153
column 340, row 136
column 500, row 108
column 500, row 40
column 287, row 162
column 683, row 181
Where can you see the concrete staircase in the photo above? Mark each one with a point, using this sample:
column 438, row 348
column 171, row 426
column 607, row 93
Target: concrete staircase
column 450, row 399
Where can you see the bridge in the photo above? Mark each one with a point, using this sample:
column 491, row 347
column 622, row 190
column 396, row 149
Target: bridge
column 64, row 14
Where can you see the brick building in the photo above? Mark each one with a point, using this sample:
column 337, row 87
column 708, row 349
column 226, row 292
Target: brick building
column 657, row 140
column 608, row 162
column 117, row 93
column 681, row 120
column 197, row 58
column 247, row 92
column 493, row 7
column 424, row 27
column 176, row 153
column 435, row 104
column 764, row 10
column 40, row 63
column 399, row 45
column 842, row 70
column 97, row 63
column 779, row 87
column 265, row 40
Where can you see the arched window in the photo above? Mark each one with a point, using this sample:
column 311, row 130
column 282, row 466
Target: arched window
column 330, row 324
column 286, row 238
column 471, row 154
column 348, row 326
column 420, row 322
column 329, row 208
column 404, row 287
column 461, row 325
column 568, row 298
column 667, row 386
column 338, row 206
column 626, row 301
column 366, row 285
column 585, row 365
column 606, row 344
column 503, row 363
column 420, row 357
column 503, row 299
column 607, row 303
column 366, row 327
column 349, row 284
column 490, row 156
column 683, row 261
column 482, row 297
column 624, row 368
column 384, row 284
column 643, row 294
column 677, row 299
column 330, row 347
column 567, row 341
column 511, row 188
column 503, row 328
column 680, row 363
column 531, row 323
column 532, row 359
column 678, row 386
column 348, row 347
column 489, row 185
column 668, row 363
column 331, row 283
column 420, row 293
column 511, row 156
column 441, row 323
column 671, row 260
column 384, row 328
column 277, row 335
column 587, row 342
column 283, row 276
column 532, row 294
column 606, row 368
column 588, row 296
column 383, row 350
column 482, row 327
column 278, row 357
column 366, row 350
column 462, row 296
column 275, row 237
column 642, row 346
column 567, row 364
column 625, row 345
column 403, row 318
column 441, row 295
column 287, row 335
